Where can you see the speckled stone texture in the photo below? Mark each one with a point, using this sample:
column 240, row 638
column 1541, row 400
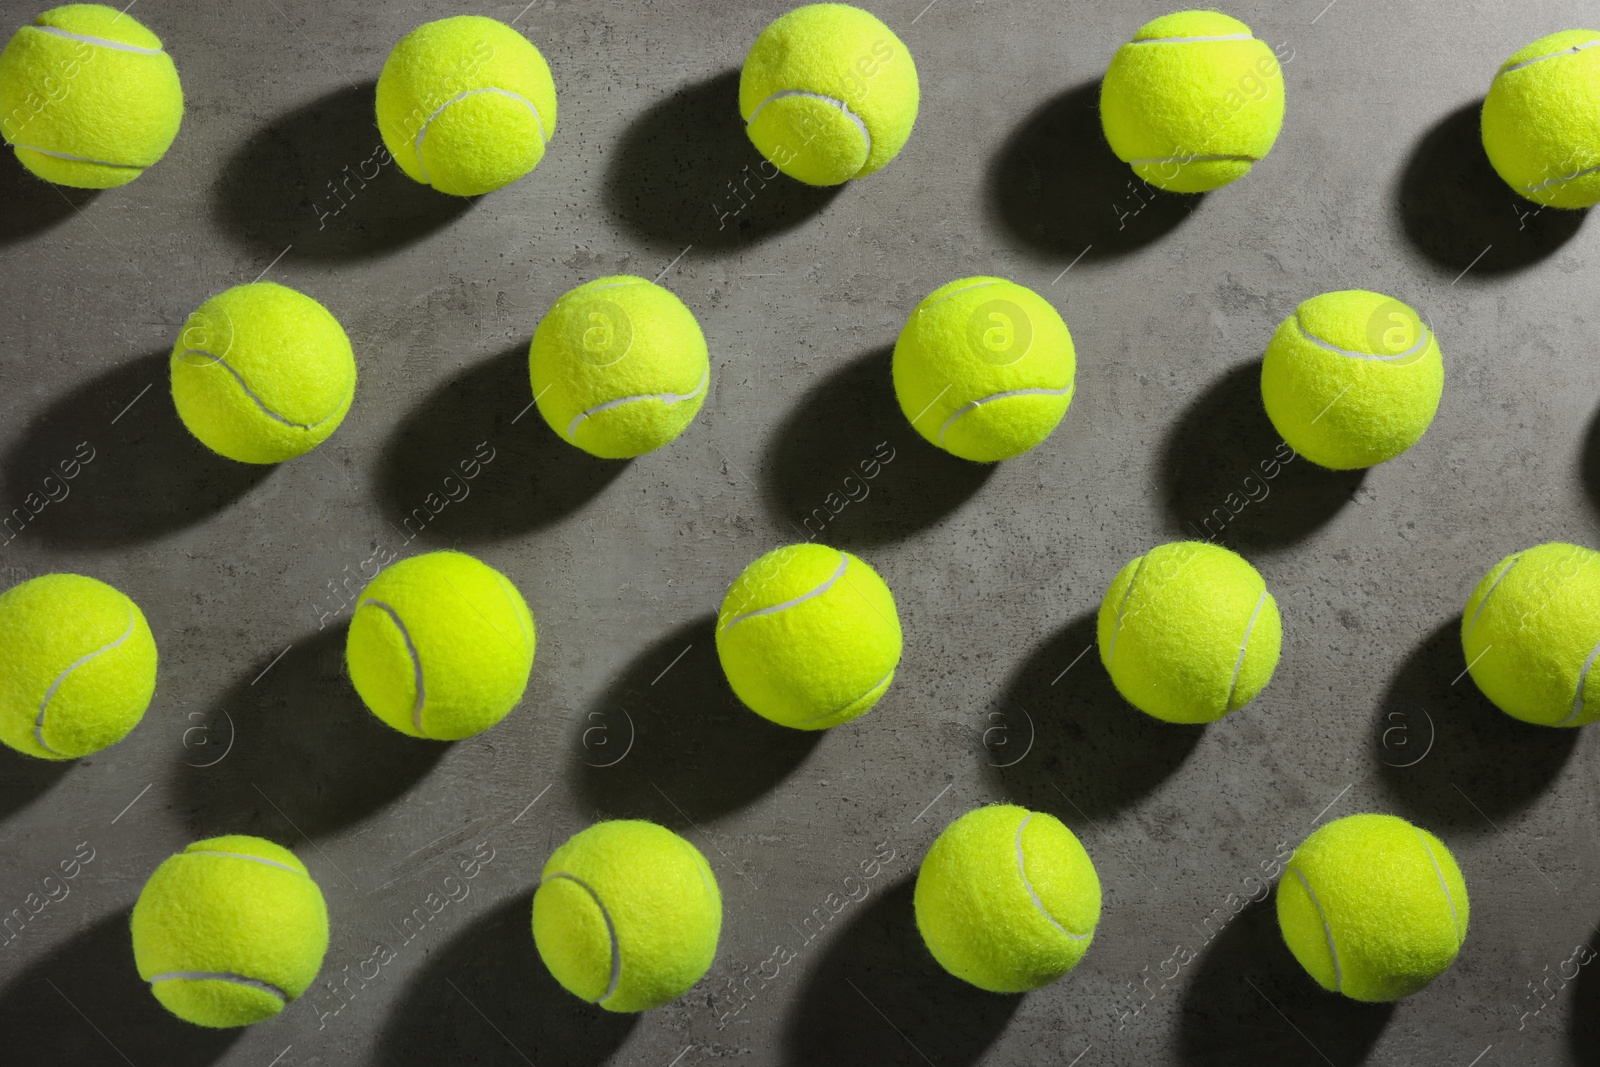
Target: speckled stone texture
column 429, row 853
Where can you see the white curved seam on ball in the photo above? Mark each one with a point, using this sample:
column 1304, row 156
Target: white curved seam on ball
column 1022, row 871
column 1583, row 679
column 871, row 689
column 956, row 293
column 221, row 976
column 243, row 856
column 1422, row 343
column 506, row 589
column 1564, row 179
column 969, row 408
column 1444, row 887
column 831, row 101
column 538, row 119
column 225, row 365
column 1572, row 51
column 666, row 398
column 103, row 42
column 832, row 580
column 1476, row 615
column 38, row 723
column 1191, row 157
column 701, row 871
column 1333, row 953
column 1238, row 664
column 1190, row 40
column 1116, row 628
column 75, row 159
column 416, row 660
column 611, row 930
column 699, row 868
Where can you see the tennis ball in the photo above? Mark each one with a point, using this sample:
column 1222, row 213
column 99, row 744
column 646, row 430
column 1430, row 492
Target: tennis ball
column 1352, row 379
column 619, row 367
column 1539, row 120
column 261, row 373
column 1373, row 907
column 440, row 646
column 828, row 93
column 809, row 637
column 1188, row 632
column 1007, row 899
column 77, row 666
column 229, row 930
column 466, row 105
column 984, row 368
column 87, row 97
column 627, row 915
column 1192, row 102
column 1531, row 634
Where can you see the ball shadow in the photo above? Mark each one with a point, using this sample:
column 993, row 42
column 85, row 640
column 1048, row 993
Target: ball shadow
column 1089, row 743
column 85, row 1003
column 1589, row 460
column 474, row 461
column 30, row 206
column 877, row 977
column 24, row 779
column 320, row 180
column 1250, row 1002
column 684, row 172
column 1454, row 206
column 488, row 990
column 1225, row 477
column 1057, row 187
column 137, row 473
column 1583, row 1037
column 1504, row 764
column 847, row 468
column 670, row 727
column 303, row 748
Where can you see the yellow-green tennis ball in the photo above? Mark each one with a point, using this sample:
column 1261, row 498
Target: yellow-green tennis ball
column 77, row 666
column 466, row 105
column 619, row 367
column 1007, row 899
column 1188, row 632
column 1531, row 635
column 1192, row 102
column 627, row 915
column 1539, row 125
column 984, row 368
column 1352, row 379
column 828, row 93
column 229, row 930
column 809, row 637
column 261, row 373
column 440, row 646
column 1373, row 907
column 87, row 97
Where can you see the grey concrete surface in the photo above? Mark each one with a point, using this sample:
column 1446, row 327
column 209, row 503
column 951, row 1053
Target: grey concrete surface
column 1377, row 181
